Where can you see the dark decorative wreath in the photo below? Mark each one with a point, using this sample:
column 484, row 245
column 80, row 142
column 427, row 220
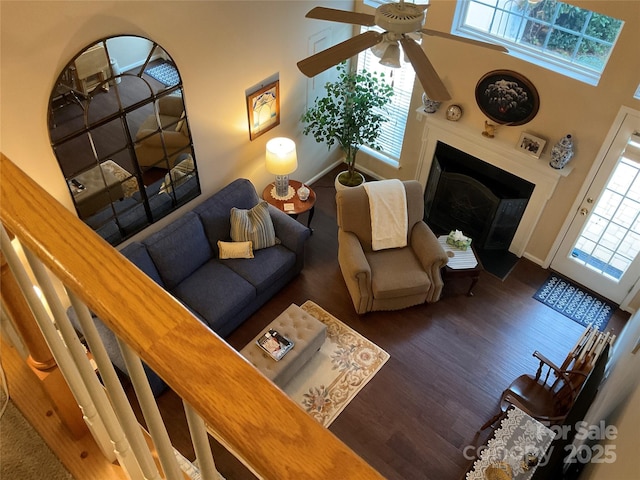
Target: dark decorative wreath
column 507, row 97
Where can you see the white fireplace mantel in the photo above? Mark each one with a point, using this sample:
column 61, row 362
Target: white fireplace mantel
column 499, row 154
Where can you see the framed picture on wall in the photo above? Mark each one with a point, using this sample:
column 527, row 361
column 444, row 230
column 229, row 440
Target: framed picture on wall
column 531, row 144
column 263, row 109
column 507, row 97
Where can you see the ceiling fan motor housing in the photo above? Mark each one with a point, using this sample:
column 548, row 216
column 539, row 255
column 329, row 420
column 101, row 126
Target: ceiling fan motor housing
column 400, row 17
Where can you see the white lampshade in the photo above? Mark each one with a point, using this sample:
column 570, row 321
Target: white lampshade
column 281, row 158
column 391, row 57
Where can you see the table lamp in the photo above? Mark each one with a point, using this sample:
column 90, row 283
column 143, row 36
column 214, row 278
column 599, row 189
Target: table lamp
column 281, row 160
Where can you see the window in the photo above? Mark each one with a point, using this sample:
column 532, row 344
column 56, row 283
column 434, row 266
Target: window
column 397, row 110
column 555, row 35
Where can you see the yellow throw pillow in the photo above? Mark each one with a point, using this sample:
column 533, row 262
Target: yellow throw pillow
column 235, row 249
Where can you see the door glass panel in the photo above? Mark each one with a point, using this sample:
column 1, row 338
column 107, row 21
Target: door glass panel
column 610, row 239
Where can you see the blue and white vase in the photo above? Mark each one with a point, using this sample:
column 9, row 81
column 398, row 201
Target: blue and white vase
column 562, row 152
column 430, row 106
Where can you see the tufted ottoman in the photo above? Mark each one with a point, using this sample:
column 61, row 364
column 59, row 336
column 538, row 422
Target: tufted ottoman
column 306, row 332
column 101, row 188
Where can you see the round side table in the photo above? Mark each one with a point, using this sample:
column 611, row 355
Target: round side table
column 293, row 206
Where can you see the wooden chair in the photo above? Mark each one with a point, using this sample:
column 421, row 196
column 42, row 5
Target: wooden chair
column 92, row 69
column 548, row 395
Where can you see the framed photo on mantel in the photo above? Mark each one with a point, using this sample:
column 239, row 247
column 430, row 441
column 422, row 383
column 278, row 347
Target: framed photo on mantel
column 531, row 144
column 507, row 97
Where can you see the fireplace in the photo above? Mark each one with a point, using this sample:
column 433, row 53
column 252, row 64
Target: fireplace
column 466, row 193
column 499, row 153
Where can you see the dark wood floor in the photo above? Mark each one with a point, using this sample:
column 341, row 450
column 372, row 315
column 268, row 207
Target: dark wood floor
column 449, row 360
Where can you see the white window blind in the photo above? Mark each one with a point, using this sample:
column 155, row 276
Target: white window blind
column 397, row 111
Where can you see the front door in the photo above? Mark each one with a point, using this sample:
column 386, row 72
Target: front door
column 600, row 248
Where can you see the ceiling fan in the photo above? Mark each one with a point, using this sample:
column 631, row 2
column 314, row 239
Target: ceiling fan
column 400, row 22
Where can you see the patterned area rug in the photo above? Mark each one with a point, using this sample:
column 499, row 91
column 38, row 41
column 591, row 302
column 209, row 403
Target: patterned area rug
column 572, row 301
column 165, row 73
column 345, row 363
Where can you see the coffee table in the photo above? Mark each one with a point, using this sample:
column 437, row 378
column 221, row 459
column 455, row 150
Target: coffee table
column 463, row 263
column 306, row 332
column 293, row 206
column 101, row 188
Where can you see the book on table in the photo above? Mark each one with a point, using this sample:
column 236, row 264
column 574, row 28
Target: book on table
column 275, row 344
column 76, row 186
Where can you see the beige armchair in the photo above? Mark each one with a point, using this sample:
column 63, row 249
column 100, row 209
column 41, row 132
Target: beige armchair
column 389, row 279
column 153, row 146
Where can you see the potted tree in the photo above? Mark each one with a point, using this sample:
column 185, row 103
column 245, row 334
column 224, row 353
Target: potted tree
column 351, row 114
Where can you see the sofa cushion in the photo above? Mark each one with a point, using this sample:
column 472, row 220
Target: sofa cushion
column 113, row 349
column 235, row 249
column 214, row 211
column 137, row 253
column 253, row 225
column 215, row 293
column 266, row 268
column 396, row 273
column 179, row 249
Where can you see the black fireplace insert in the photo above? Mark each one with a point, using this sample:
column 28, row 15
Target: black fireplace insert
column 483, row 201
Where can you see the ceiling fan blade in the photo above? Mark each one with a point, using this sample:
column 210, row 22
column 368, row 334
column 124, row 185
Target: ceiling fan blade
column 343, row 16
column 449, row 36
column 429, row 79
column 325, row 59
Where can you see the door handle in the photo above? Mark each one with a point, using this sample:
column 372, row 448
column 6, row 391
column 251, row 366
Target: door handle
column 583, row 211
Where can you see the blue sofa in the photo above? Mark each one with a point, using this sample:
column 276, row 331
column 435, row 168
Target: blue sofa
column 182, row 257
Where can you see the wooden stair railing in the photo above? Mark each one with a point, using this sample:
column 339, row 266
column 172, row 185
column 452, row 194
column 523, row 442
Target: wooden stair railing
column 244, row 411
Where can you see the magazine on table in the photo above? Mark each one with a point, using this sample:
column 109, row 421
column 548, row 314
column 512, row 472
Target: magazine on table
column 76, row 186
column 275, row 344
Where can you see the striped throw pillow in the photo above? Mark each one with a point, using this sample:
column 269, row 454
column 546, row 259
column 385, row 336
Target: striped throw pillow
column 253, row 225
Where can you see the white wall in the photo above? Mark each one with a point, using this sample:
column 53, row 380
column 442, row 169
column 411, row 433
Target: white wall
column 220, row 47
column 617, row 403
column 129, row 52
column 566, row 105
column 224, row 47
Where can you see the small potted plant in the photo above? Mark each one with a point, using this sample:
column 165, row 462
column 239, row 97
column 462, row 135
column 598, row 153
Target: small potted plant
column 351, row 114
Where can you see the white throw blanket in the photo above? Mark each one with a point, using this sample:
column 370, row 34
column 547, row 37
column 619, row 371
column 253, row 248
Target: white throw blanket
column 388, row 206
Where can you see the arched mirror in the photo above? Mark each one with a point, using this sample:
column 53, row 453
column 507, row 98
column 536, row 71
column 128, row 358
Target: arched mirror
column 120, row 131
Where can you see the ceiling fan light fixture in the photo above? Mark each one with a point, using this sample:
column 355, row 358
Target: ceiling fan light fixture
column 391, row 57
column 400, row 17
column 379, row 49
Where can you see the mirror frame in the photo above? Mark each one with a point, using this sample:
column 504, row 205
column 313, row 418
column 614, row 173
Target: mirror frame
column 122, row 138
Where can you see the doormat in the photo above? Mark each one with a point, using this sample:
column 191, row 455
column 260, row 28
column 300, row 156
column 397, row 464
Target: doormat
column 165, row 73
column 574, row 302
column 345, row 363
